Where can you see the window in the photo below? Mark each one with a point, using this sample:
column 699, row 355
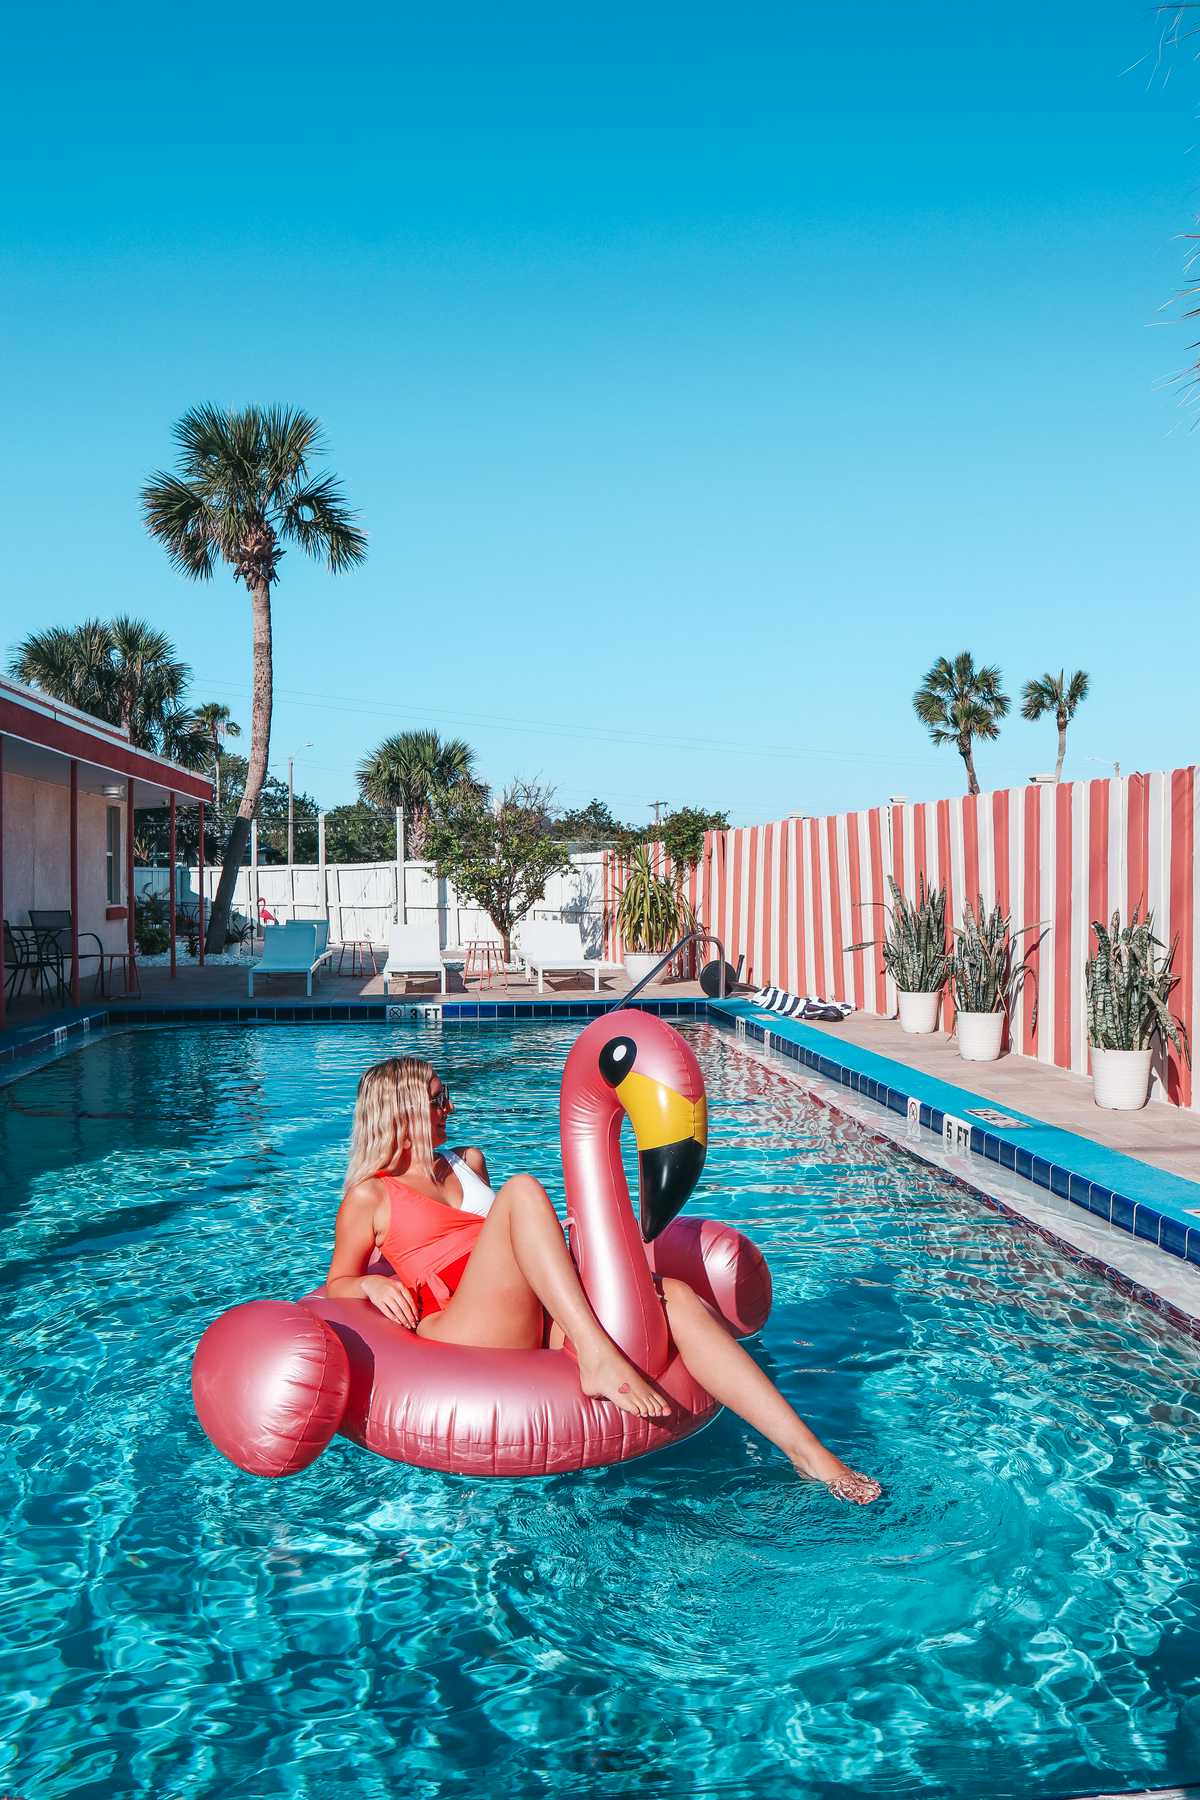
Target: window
column 113, row 856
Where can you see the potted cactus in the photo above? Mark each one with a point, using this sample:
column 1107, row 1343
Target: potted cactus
column 1129, row 982
column 985, row 980
column 914, row 954
column 650, row 915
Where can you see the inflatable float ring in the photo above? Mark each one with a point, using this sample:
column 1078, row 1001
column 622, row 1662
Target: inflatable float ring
column 273, row 1381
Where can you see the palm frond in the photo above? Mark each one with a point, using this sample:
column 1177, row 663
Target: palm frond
column 316, row 517
column 288, row 438
column 178, row 514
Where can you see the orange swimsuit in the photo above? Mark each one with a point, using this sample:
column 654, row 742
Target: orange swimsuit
column 427, row 1242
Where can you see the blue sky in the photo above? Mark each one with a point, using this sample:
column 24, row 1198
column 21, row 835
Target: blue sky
column 700, row 372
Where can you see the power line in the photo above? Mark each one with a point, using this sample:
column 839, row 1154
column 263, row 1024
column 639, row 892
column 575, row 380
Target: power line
column 344, row 703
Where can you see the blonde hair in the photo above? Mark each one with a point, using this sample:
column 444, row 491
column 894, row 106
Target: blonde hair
column 392, row 1106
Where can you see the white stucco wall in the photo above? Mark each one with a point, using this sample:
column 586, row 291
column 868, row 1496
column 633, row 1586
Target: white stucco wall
column 37, row 853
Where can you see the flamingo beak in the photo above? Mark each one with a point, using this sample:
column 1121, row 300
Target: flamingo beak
column 671, row 1133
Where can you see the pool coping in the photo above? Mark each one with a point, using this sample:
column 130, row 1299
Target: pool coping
column 1134, row 1266
column 1151, row 1204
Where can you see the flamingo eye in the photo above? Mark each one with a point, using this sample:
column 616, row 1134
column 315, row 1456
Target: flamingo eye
column 616, row 1060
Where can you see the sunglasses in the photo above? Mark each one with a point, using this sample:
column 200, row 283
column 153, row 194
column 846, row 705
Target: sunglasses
column 441, row 1099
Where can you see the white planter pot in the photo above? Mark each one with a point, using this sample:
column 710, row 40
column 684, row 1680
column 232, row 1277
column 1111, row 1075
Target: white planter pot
column 638, row 964
column 1120, row 1078
column 979, row 1035
column 918, row 1012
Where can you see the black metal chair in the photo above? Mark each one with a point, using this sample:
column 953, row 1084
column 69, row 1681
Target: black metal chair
column 16, row 960
column 53, row 926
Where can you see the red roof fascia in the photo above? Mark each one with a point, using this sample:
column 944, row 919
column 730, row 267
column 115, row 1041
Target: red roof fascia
column 104, row 752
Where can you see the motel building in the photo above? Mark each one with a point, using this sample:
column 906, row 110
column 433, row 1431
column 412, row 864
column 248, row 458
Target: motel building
column 69, row 786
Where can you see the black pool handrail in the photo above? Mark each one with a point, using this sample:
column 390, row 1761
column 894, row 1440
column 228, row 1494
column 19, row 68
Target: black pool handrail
column 691, row 937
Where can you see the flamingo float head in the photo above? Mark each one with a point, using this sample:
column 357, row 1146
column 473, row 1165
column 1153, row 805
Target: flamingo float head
column 634, row 1064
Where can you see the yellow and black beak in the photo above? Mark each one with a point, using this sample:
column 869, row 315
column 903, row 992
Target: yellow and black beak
column 670, row 1130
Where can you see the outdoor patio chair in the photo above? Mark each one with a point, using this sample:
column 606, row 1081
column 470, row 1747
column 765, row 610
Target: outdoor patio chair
column 287, row 950
column 551, row 946
column 414, row 950
column 54, row 924
column 17, row 960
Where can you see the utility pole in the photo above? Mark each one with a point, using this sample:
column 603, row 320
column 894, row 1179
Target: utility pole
column 658, row 806
column 307, row 745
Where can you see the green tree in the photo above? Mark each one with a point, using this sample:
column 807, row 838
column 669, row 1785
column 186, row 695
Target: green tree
column 500, row 857
column 218, row 723
column 122, row 670
column 682, row 834
column 360, row 833
column 960, row 703
column 1055, row 694
column 590, row 827
column 242, row 492
column 415, row 771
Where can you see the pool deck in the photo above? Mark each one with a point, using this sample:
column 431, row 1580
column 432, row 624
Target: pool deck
column 1160, row 1134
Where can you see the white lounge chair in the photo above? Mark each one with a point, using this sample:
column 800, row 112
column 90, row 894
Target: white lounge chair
column 414, row 950
column 548, row 946
column 288, row 950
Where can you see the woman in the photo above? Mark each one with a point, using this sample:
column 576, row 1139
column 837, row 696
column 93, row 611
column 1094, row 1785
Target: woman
column 494, row 1271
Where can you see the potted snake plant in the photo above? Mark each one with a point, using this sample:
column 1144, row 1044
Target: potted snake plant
column 1129, row 982
column 985, row 979
column 650, row 915
column 914, row 954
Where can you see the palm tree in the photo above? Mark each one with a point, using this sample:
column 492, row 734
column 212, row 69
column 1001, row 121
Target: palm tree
column 242, row 492
column 122, row 670
column 413, row 770
column 219, row 723
column 1054, row 693
column 960, row 703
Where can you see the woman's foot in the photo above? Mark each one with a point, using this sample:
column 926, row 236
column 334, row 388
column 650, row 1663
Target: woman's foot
column 612, row 1375
column 846, row 1483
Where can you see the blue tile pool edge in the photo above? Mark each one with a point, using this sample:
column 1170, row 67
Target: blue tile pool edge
column 1148, row 1203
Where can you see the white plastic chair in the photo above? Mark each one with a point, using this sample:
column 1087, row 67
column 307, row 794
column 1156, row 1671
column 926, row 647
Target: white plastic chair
column 554, row 946
column 414, row 950
column 287, row 950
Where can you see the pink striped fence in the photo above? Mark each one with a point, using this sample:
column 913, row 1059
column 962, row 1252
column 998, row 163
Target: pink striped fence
column 792, row 896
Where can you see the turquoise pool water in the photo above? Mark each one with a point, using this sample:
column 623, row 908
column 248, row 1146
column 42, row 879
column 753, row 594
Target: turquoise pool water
column 1018, row 1616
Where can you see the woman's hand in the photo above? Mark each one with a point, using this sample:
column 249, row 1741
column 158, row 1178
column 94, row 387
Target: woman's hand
column 392, row 1298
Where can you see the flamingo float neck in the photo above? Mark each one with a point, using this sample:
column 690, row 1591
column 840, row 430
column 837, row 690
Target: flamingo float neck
column 628, row 1063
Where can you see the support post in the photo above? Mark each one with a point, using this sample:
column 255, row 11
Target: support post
column 200, row 885
column 130, row 933
column 322, row 876
column 74, row 881
column 255, row 901
column 171, row 885
column 401, row 896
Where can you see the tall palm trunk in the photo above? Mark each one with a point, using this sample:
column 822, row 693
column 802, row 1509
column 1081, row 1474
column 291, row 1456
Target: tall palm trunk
column 964, row 750
column 1062, row 747
column 261, row 701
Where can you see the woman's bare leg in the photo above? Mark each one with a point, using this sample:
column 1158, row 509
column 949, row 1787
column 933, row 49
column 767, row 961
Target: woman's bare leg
column 718, row 1362
column 519, row 1265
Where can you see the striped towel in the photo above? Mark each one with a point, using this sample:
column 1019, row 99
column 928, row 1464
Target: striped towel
column 802, row 1006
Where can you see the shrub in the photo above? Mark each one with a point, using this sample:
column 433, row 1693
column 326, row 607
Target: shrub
column 914, row 945
column 1128, row 985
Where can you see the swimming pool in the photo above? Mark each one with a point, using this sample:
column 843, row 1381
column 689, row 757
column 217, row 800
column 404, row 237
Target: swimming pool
column 1019, row 1615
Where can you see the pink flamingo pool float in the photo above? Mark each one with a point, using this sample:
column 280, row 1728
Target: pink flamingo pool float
column 274, row 1380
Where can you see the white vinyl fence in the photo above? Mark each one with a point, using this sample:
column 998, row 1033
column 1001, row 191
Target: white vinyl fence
column 360, row 900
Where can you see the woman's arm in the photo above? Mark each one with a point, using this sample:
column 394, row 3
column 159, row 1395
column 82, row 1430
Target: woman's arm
column 477, row 1161
column 354, row 1240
